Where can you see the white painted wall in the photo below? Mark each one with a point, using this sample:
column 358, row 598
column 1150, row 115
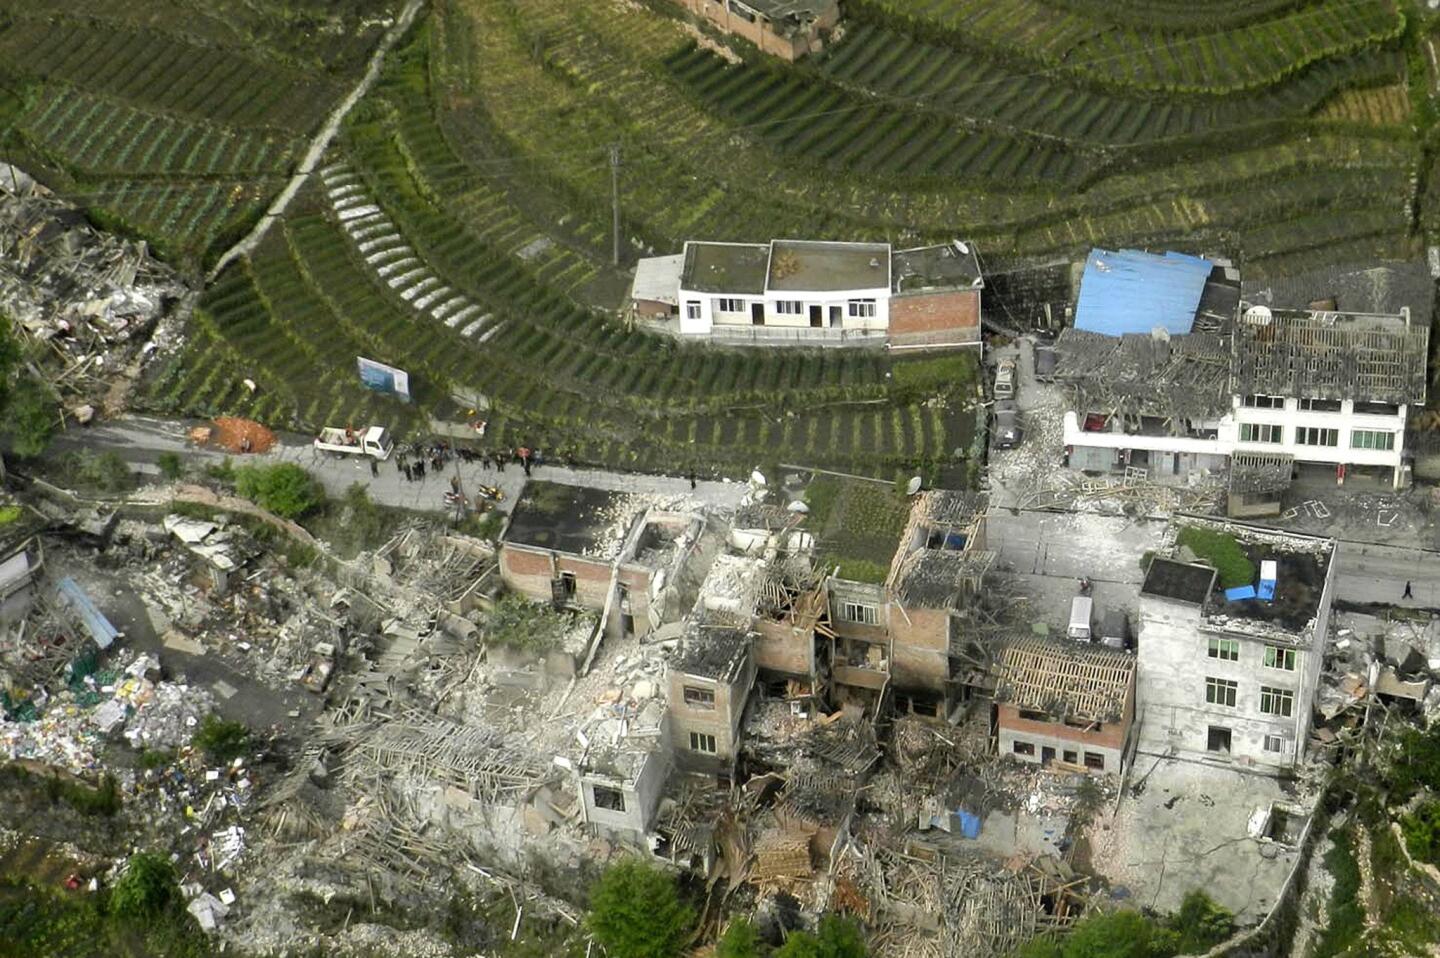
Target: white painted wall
column 1292, row 417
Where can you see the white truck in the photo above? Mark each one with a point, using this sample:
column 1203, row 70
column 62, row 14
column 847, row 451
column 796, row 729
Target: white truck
column 371, row 441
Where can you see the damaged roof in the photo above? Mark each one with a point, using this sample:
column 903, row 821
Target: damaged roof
column 1065, row 679
column 1355, row 288
column 575, row 519
column 714, row 653
column 1368, row 357
column 947, row 266
column 1175, row 378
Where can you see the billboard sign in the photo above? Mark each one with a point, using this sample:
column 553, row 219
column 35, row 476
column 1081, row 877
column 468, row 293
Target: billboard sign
column 384, row 379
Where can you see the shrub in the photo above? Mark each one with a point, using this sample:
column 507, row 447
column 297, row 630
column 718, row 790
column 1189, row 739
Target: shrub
column 837, row 938
column 29, row 417
column 1222, row 551
column 220, row 740
column 1200, row 923
column 1414, row 763
column 739, row 941
column 146, row 887
column 104, row 799
column 171, row 466
column 1422, row 832
column 1121, row 934
column 9, row 514
column 105, row 472
column 636, row 912
column 284, row 489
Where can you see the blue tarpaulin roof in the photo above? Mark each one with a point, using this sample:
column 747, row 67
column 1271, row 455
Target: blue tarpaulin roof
column 1133, row 292
column 1240, row 593
column 99, row 627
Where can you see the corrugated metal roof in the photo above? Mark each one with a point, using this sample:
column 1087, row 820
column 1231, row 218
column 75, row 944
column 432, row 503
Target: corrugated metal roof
column 1130, row 291
column 99, row 627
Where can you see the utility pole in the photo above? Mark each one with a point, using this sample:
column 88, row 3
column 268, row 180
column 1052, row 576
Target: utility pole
column 615, row 197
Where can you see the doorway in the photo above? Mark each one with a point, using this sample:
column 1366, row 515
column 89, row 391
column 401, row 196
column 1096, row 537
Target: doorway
column 1047, row 755
column 817, row 317
column 757, row 314
column 1217, row 739
column 835, row 317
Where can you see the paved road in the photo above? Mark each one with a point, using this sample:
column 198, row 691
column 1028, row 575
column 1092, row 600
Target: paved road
column 141, row 440
column 1378, row 573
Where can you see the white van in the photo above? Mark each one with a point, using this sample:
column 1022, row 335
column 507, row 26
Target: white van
column 1081, row 608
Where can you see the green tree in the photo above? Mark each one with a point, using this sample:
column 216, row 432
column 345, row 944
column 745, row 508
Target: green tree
column 739, row 941
column 1422, row 832
column 284, row 489
column 636, row 912
column 146, row 887
column 171, row 467
column 220, row 740
column 1201, row 924
column 1120, row 934
column 29, row 416
column 836, row 938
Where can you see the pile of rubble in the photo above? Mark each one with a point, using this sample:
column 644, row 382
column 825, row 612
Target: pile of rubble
column 91, row 296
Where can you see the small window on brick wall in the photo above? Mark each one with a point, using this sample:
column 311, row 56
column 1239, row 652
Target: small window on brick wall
column 1024, row 748
column 698, row 698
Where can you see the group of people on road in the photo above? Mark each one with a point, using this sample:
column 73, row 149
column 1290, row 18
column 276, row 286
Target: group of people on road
column 416, row 462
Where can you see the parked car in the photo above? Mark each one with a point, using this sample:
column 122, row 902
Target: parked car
column 1005, row 379
column 1005, row 430
column 1045, row 363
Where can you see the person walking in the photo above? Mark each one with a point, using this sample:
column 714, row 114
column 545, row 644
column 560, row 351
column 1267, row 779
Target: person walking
column 692, row 480
column 374, row 469
column 1408, row 594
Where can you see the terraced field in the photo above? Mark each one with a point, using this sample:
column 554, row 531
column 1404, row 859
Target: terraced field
column 461, row 227
column 169, row 119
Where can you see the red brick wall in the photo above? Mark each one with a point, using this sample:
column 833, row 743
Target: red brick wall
column 951, row 317
column 781, row 649
column 1111, row 735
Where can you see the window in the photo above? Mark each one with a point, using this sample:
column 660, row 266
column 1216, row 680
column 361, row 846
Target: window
column 1277, row 657
column 1274, row 743
column 1315, row 436
column 1095, row 760
column 1217, row 739
column 742, row 11
column 702, row 742
column 1030, row 715
column 1220, row 692
column 609, row 798
column 1263, row 402
column 862, row 308
column 1277, row 701
column 789, row 307
column 1372, row 439
column 1225, row 649
column 730, row 305
column 1070, row 757
column 859, row 612
column 1320, row 405
column 698, row 698
column 1376, row 408
column 1259, row 432
column 1024, row 748
column 692, row 310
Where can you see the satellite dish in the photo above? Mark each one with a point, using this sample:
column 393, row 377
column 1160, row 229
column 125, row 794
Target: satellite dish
column 962, row 247
column 798, row 506
column 1258, row 316
column 757, row 477
column 914, row 485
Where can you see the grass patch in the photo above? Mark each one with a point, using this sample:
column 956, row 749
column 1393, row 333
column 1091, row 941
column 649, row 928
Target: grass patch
column 9, row 514
column 856, row 525
column 1222, row 551
column 1347, row 917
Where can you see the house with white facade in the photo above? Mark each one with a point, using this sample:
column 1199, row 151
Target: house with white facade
column 1231, row 674
column 1270, row 394
column 816, row 293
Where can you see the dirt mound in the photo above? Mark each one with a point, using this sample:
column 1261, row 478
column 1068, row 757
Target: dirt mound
column 230, row 433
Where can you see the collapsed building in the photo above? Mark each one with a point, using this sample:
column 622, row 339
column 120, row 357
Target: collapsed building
column 1172, row 374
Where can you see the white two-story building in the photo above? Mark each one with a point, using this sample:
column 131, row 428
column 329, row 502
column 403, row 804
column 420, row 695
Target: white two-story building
column 816, row 293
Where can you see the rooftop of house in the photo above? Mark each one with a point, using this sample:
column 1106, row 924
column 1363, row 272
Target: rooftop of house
column 657, row 279
column 942, row 549
column 725, row 267
column 1131, row 291
column 1238, row 554
column 1371, row 357
column 816, row 266
column 1171, row 379
column 797, row 9
column 948, row 266
column 857, row 525
column 714, row 653
column 1356, row 288
column 573, row 519
column 1066, row 680
column 1182, row 581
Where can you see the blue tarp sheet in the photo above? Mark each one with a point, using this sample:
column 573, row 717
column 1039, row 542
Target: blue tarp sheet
column 1240, row 593
column 1266, row 590
column 1133, row 292
column 99, row 627
column 969, row 824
